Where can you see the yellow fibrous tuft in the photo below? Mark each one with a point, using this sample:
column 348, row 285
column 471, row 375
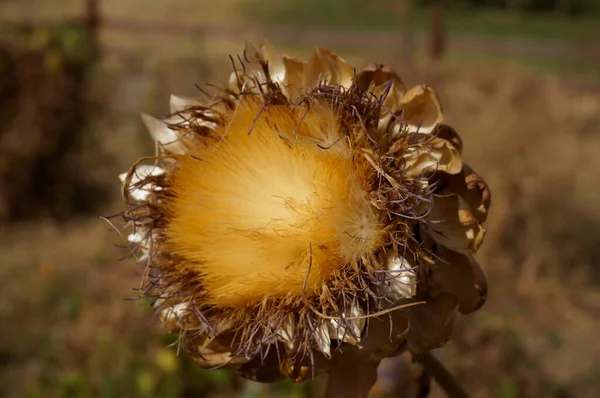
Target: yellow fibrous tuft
column 273, row 211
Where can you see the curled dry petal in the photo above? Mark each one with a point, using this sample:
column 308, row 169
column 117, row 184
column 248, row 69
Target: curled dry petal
column 164, row 135
column 452, row 224
column 447, row 133
column 294, row 73
column 461, row 276
column 141, row 240
column 474, row 191
column 179, row 317
column 431, row 323
column 401, row 277
column 141, row 172
column 285, row 334
column 179, row 104
column 377, row 75
column 440, row 155
column 325, row 67
column 322, row 339
column 421, row 109
column 348, row 331
column 277, row 70
column 214, row 355
column 391, row 93
column 135, row 238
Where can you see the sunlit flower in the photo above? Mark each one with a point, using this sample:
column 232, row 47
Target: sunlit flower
column 307, row 218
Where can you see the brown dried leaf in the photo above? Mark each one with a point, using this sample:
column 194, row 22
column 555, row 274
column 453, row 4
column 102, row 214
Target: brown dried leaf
column 351, row 374
column 461, row 276
column 431, row 323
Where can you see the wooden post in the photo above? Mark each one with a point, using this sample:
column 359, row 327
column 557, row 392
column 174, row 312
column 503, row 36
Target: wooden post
column 437, row 34
column 92, row 17
column 92, row 22
column 402, row 9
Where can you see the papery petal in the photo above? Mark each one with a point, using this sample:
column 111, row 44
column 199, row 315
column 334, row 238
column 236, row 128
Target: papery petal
column 393, row 96
column 421, row 109
column 164, row 135
column 475, row 192
column 447, row 133
column 431, row 323
column 135, row 238
column 180, row 104
column 438, row 155
column 450, row 160
column 348, row 331
column 142, row 171
column 461, row 276
column 274, row 62
column 252, row 55
column 211, row 358
column 375, row 75
column 178, row 317
column 145, row 170
column 214, row 354
column 343, row 73
column 322, row 340
column 285, row 333
column 252, row 75
column 401, row 278
column 236, row 81
column 294, row 71
column 141, row 193
column 451, row 223
column 326, row 67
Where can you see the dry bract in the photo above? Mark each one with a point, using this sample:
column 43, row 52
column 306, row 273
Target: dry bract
column 306, row 218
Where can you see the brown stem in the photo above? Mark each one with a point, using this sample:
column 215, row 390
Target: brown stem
column 423, row 385
column 438, row 372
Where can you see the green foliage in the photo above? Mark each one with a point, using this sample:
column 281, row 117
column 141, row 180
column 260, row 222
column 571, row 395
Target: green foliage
column 508, row 388
column 570, row 7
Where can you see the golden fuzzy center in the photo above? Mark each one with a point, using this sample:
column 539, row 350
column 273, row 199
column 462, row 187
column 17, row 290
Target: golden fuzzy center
column 270, row 206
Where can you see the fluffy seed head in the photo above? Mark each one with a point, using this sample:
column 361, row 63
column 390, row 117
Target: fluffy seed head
column 267, row 213
column 304, row 212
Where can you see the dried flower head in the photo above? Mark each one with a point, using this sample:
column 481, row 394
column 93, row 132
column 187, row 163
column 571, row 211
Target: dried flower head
column 307, row 218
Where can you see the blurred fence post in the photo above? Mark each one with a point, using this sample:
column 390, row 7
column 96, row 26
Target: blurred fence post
column 436, row 32
column 402, row 10
column 92, row 22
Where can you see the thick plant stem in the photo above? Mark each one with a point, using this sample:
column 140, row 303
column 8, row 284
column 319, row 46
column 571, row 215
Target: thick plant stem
column 438, row 372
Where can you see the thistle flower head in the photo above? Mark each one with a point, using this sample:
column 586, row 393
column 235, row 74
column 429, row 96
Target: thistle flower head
column 304, row 214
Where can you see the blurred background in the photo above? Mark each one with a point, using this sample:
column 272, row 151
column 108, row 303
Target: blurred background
column 519, row 80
